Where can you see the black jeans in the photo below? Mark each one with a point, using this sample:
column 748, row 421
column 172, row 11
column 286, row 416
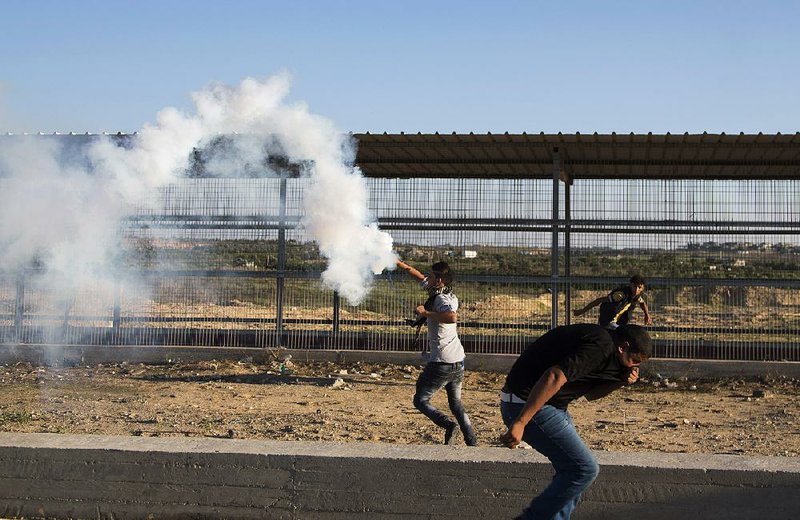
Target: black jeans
column 451, row 377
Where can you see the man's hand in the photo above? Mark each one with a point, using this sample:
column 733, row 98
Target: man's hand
column 633, row 375
column 420, row 310
column 648, row 320
column 512, row 437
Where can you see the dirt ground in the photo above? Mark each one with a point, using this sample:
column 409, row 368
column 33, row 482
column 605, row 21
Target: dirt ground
column 366, row 402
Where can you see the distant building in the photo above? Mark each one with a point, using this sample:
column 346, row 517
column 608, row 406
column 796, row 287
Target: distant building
column 468, row 253
column 535, row 252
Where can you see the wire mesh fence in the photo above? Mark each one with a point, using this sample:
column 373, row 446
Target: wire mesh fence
column 720, row 257
column 227, row 262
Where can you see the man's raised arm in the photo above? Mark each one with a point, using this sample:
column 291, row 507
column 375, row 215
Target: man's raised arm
column 410, row 270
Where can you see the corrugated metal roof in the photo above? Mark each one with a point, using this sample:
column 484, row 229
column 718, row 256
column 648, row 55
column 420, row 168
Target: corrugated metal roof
column 584, row 156
column 599, row 156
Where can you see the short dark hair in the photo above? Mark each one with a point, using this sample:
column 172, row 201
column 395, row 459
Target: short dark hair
column 442, row 269
column 637, row 279
column 638, row 339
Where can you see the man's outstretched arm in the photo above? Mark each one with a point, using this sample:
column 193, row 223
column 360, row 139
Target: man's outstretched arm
column 593, row 303
column 410, row 270
column 647, row 319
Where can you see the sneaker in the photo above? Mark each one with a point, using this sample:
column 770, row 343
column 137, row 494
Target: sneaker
column 450, row 434
column 472, row 442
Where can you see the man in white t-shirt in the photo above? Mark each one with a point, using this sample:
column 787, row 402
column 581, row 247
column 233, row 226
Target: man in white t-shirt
column 445, row 359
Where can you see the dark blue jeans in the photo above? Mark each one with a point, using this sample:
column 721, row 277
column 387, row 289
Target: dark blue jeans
column 433, row 378
column 552, row 433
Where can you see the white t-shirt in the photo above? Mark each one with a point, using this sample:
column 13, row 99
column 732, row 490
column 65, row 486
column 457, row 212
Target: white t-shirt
column 443, row 341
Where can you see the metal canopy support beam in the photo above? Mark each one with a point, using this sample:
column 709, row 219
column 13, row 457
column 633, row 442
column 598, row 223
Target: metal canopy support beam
column 337, row 305
column 116, row 317
column 567, row 270
column 279, row 282
column 19, row 306
column 554, row 245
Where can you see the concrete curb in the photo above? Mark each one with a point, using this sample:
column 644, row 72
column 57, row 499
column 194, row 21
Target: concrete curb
column 87, row 476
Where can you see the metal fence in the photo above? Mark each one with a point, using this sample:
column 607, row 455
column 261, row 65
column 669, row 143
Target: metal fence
column 226, row 262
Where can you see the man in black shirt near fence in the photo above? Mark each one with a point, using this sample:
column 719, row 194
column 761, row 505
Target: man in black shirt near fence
column 617, row 307
column 564, row 364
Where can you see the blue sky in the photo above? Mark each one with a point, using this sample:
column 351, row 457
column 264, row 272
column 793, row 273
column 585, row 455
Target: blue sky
column 411, row 65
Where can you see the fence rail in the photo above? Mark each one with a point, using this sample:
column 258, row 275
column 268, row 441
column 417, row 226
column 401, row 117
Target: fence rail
column 208, row 263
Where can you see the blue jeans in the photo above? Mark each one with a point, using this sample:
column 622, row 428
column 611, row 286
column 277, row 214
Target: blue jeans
column 433, row 378
column 552, row 433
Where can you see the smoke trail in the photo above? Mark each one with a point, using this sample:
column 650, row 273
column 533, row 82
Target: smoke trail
column 66, row 211
column 336, row 216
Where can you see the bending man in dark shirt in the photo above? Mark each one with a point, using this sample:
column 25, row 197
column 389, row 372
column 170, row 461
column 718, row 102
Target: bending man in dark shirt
column 566, row 363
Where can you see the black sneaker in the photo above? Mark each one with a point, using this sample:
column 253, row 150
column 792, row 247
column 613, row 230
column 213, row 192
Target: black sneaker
column 472, row 442
column 450, row 434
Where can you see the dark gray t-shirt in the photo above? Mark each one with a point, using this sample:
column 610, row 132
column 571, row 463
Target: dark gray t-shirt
column 585, row 353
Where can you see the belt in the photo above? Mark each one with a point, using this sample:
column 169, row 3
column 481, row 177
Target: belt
column 508, row 397
column 457, row 363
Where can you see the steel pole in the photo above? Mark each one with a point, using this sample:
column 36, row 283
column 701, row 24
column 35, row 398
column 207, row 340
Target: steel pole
column 554, row 244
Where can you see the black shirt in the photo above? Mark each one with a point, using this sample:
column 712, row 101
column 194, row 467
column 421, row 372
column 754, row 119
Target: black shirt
column 585, row 353
column 618, row 307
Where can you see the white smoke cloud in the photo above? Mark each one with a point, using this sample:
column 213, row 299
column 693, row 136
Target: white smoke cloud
column 68, row 213
column 336, row 215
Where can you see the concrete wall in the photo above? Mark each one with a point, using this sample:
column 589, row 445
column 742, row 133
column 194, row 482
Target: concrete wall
column 70, row 355
column 65, row 476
